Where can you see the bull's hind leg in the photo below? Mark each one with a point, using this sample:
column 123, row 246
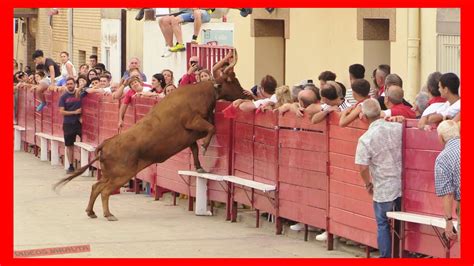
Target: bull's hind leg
column 200, row 124
column 96, row 189
column 195, row 150
column 110, row 187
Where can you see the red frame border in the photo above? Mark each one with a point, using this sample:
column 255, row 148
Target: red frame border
column 6, row 136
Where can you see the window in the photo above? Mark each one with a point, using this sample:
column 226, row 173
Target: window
column 107, row 58
column 82, row 57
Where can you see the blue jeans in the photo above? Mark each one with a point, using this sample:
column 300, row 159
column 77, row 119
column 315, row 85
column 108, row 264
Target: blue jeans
column 189, row 17
column 384, row 238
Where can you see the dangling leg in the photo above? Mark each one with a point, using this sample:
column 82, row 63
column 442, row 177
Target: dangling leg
column 195, row 150
column 200, row 124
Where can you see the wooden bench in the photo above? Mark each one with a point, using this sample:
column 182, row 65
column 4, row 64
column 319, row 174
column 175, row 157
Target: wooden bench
column 201, row 189
column 54, row 142
column 85, row 150
column 433, row 221
column 17, row 139
column 266, row 188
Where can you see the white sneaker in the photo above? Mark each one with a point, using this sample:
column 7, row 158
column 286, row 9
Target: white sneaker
column 322, row 236
column 166, row 52
column 297, row 227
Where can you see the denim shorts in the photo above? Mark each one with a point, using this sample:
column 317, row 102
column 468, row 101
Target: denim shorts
column 189, row 16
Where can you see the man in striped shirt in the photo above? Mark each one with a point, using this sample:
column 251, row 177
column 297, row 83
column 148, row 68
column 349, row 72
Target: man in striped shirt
column 448, row 173
column 332, row 99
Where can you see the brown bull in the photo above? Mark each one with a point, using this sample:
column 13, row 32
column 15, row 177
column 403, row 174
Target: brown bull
column 171, row 126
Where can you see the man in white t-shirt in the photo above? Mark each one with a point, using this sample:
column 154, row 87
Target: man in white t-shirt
column 266, row 96
column 449, row 89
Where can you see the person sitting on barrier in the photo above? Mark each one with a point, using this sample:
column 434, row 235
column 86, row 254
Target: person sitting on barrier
column 67, row 69
column 447, row 173
column 331, row 100
column 356, row 71
column 171, row 25
column 134, row 63
column 70, row 108
column 379, row 158
column 135, row 86
column 436, row 101
column 394, row 101
column 83, row 69
column 51, row 69
column 360, row 91
column 326, row 76
column 193, row 69
column 267, row 92
column 449, row 89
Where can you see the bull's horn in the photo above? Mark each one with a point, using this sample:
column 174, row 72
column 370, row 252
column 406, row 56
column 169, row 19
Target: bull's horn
column 234, row 61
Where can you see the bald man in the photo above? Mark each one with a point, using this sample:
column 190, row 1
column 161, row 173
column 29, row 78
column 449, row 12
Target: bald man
column 394, row 102
column 308, row 98
column 193, row 68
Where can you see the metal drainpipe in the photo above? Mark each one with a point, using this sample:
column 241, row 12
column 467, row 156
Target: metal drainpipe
column 413, row 60
column 70, row 33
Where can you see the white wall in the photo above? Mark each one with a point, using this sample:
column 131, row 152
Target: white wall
column 111, row 38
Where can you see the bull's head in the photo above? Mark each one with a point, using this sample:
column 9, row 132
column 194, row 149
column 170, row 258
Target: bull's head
column 228, row 86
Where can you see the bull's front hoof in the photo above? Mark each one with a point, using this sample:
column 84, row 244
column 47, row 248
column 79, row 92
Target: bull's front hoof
column 201, row 171
column 111, row 218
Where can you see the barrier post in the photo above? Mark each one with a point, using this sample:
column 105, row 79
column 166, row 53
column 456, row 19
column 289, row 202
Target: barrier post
column 85, row 161
column 44, row 149
column 201, row 197
column 54, row 153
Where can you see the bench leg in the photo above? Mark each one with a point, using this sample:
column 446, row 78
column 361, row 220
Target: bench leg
column 201, row 197
column 85, row 161
column 257, row 222
column 44, row 149
column 54, row 152
column 17, row 140
column 66, row 160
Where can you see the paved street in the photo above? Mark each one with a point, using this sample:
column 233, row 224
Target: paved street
column 146, row 228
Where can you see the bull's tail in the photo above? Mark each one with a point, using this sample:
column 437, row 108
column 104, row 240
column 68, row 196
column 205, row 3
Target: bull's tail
column 78, row 172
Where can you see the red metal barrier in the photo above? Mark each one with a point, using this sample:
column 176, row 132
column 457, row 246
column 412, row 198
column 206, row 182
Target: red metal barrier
column 90, row 119
column 305, row 161
column 208, row 55
column 142, row 106
column 351, row 213
column 303, row 181
column 243, row 154
column 30, row 124
column 218, row 155
column 21, row 116
column 265, row 157
column 420, row 152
